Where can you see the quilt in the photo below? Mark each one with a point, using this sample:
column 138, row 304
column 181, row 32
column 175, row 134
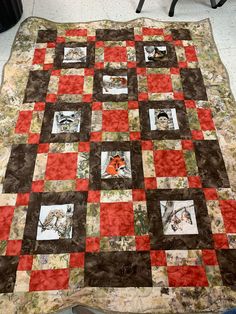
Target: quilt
column 117, row 169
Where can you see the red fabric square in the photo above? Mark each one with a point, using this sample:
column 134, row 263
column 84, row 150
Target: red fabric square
column 37, row 186
column 6, row 215
column 39, row 56
column 183, row 64
column 169, row 163
column 51, row 98
column 159, row 83
column 147, row 145
column 56, row 72
column 168, row 38
column 178, row 43
column 209, row 257
column 221, row 241
column 97, row 106
column 71, row 84
column 174, row 70
column 205, row 119
column 134, row 136
column 24, row 121
column 210, row 194
column 197, row 135
column 141, row 71
column 91, row 38
column 22, row 199
column 47, row 66
column 61, row 166
column 33, row 138
column 190, row 104
column 142, row 243
column 92, row 244
column 142, row 96
column 138, row 37
column 43, row 148
column 148, row 31
column 115, row 54
column 88, row 72
column 178, row 96
column 94, row 197
column 190, row 54
column 77, row 260
column 115, row 121
column 60, row 39
column 187, row 276
column 50, row 279
column 116, row 219
column 99, row 65
column 84, row 147
column 228, row 209
column 95, row 136
column 158, row 258
column 187, row 145
column 194, row 182
column 76, row 32
column 82, row 184
column 131, row 64
column 51, row 45
column 150, row 183
column 25, row 262
column 39, row 106
column 87, row 98
column 133, row 104
column 130, row 43
column 138, row 195
column 99, row 44
column 13, row 247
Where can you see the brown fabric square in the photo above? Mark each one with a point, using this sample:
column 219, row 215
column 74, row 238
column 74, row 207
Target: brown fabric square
column 83, row 135
column 159, row 240
column 59, row 55
column 193, row 84
column 132, row 85
column 181, row 34
column 45, row 36
column 75, row 244
column 36, row 89
column 227, row 262
column 146, row 133
column 115, row 34
column 170, row 60
column 20, row 168
column 211, row 164
column 8, row 268
column 118, row 269
column 137, row 180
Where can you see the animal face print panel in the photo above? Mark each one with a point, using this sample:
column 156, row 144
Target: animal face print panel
column 115, row 165
column 66, row 122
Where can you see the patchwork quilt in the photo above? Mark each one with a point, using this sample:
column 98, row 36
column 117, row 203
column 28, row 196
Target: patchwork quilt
column 117, row 169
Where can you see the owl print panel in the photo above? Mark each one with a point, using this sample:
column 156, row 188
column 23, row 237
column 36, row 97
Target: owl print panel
column 178, row 217
column 115, row 164
column 55, row 222
column 74, row 54
column 66, row 122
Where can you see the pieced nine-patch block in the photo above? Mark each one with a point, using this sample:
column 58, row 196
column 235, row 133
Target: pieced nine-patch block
column 116, row 166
